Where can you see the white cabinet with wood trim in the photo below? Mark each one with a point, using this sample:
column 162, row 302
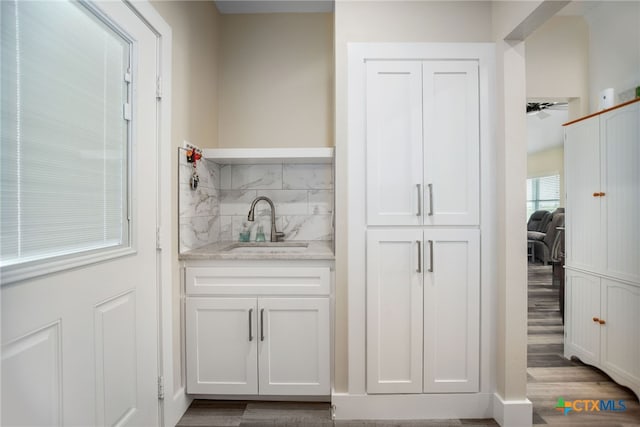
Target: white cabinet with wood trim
column 258, row 330
column 602, row 175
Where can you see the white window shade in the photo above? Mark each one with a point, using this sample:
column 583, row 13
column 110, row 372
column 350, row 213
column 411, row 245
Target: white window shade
column 65, row 141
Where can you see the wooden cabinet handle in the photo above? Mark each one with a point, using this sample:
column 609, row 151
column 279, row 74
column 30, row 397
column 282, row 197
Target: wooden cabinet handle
column 601, row 321
column 601, row 194
column 595, row 319
column 596, row 194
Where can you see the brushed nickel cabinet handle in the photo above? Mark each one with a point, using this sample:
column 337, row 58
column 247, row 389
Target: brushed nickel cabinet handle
column 419, row 269
column 430, row 270
column 250, row 324
column 262, row 324
column 419, row 188
column 430, row 199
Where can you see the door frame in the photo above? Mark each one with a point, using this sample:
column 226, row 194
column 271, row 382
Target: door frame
column 175, row 401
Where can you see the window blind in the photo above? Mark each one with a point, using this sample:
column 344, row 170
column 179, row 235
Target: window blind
column 65, row 143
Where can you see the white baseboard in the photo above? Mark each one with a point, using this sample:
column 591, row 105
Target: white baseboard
column 176, row 407
column 412, row 406
column 512, row 413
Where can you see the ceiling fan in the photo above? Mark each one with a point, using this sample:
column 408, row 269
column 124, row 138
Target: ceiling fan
column 538, row 108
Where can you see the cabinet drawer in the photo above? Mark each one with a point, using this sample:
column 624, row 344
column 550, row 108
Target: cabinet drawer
column 258, row 281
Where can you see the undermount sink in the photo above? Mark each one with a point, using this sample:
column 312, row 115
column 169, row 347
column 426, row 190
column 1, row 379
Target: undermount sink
column 251, row 247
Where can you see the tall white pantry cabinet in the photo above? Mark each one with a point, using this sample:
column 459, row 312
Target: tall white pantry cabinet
column 422, row 226
column 602, row 175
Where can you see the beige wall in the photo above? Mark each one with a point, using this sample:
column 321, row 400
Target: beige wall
column 194, row 27
column 557, row 61
column 385, row 21
column 614, row 48
column 547, row 162
column 276, row 80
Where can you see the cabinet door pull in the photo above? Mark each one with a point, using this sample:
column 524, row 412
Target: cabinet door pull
column 601, row 321
column 419, row 269
column 262, row 324
column 596, row 194
column 419, row 188
column 595, row 319
column 601, row 194
column 250, row 322
column 430, row 270
column 430, row 199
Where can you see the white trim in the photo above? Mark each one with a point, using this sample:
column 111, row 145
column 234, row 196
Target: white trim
column 171, row 410
column 413, row 406
column 512, row 412
column 41, row 267
column 358, row 53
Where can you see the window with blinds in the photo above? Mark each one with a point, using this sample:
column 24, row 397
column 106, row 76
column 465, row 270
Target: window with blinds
column 65, row 135
column 543, row 193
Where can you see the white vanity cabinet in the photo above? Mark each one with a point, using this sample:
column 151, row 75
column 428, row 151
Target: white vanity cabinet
column 258, row 330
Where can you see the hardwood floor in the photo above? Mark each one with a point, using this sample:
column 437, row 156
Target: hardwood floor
column 292, row 414
column 551, row 376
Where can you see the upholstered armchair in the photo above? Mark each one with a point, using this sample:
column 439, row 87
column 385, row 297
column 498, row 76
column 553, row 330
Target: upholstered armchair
column 543, row 242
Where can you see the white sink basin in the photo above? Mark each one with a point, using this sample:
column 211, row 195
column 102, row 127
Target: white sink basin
column 266, row 247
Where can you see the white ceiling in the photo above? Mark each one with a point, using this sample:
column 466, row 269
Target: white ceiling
column 545, row 133
column 579, row 8
column 274, row 6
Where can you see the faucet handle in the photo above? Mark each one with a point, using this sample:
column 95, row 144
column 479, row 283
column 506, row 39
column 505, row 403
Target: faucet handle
column 279, row 236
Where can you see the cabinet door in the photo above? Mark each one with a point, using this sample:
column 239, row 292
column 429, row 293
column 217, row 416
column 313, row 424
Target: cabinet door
column 221, row 345
column 583, row 242
column 451, row 311
column 294, row 346
column 582, row 311
column 394, row 311
column 620, row 151
column 620, row 333
column 394, row 143
column 451, row 143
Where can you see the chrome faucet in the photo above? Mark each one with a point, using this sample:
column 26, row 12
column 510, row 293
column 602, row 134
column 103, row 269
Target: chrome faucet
column 275, row 235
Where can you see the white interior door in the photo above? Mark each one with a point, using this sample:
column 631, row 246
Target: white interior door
column 394, row 311
column 394, row 143
column 452, row 311
column 79, row 346
column 451, row 142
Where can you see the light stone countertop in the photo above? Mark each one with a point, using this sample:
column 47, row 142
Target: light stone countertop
column 316, row 249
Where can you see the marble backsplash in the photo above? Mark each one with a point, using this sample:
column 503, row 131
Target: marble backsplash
column 303, row 195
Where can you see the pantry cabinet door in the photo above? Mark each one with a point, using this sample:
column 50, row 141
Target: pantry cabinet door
column 620, row 176
column 222, row 342
column 294, row 346
column 583, row 235
column 582, row 312
column 394, row 311
column 452, row 311
column 394, row 143
column 620, row 335
column 451, row 143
